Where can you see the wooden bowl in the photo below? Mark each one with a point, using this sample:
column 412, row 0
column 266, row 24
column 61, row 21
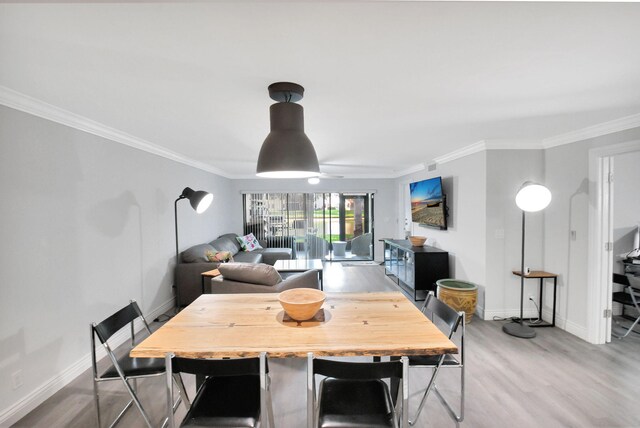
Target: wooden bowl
column 301, row 303
column 417, row 241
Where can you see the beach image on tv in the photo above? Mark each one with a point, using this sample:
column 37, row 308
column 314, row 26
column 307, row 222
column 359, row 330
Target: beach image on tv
column 426, row 202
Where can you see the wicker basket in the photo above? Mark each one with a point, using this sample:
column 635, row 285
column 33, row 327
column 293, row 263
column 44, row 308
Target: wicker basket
column 417, row 241
column 460, row 295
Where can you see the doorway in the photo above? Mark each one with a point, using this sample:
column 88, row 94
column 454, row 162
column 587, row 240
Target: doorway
column 602, row 237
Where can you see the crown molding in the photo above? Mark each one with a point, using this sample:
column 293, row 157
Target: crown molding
column 616, row 125
column 522, row 144
column 460, row 153
column 19, row 101
column 409, row 170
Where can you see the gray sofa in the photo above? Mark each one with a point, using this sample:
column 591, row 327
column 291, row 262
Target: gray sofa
column 188, row 273
column 261, row 282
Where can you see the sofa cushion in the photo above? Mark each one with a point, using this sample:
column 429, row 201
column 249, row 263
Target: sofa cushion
column 226, row 242
column 248, row 242
column 246, row 257
column 252, row 273
column 197, row 253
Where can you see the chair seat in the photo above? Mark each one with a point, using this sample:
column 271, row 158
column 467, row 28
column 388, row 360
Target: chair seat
column 432, row 360
column 136, row 367
column 623, row 297
column 355, row 404
column 227, row 401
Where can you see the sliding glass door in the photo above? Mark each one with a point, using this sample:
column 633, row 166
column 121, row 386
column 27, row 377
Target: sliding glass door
column 329, row 226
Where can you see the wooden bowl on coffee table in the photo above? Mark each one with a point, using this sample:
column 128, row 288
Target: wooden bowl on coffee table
column 301, row 304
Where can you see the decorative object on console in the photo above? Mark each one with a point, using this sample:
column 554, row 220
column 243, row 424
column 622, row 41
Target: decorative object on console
column 248, row 242
column 200, row 201
column 417, row 241
column 531, row 197
column 287, row 152
column 301, row 303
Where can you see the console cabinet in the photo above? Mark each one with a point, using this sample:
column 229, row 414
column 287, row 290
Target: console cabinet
column 415, row 269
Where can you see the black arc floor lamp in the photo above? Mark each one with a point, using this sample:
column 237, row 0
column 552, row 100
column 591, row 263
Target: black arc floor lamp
column 200, row 201
column 531, row 197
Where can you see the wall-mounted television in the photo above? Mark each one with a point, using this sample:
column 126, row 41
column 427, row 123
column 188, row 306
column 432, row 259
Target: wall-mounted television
column 428, row 203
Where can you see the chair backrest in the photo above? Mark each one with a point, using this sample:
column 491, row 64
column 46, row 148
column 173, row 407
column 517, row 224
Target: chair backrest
column 115, row 322
column 434, row 308
column 233, row 367
column 358, row 370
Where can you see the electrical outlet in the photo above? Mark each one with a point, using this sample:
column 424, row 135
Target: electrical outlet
column 573, row 235
column 532, row 297
column 16, row 378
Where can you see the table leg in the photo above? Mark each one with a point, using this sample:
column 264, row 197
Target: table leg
column 321, row 281
column 203, row 284
column 540, row 301
column 394, row 384
column 553, row 319
column 310, row 392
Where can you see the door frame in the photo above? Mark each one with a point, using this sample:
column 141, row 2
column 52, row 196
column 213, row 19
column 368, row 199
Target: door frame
column 600, row 247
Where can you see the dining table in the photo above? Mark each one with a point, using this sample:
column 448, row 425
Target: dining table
column 373, row 324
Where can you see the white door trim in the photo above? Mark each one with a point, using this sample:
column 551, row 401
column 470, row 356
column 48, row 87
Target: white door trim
column 600, row 232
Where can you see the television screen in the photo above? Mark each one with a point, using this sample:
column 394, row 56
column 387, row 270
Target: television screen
column 428, row 204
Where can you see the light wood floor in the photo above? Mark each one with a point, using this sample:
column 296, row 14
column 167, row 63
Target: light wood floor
column 554, row 380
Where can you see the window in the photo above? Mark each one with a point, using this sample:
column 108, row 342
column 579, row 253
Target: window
column 330, row 226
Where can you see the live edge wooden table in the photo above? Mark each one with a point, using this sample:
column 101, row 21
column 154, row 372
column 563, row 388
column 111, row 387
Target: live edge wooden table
column 243, row 325
column 542, row 275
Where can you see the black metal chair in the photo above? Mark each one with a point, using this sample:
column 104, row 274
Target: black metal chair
column 353, row 394
column 235, row 392
column 442, row 315
column 124, row 368
column 629, row 296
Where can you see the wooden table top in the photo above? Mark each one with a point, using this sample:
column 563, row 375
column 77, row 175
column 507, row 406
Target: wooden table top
column 536, row 274
column 211, row 273
column 243, row 325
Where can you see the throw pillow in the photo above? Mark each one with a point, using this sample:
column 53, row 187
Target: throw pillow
column 197, row 253
column 248, row 242
column 253, row 273
column 219, row 257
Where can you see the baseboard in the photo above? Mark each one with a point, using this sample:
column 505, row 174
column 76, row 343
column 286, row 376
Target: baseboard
column 566, row 325
column 22, row 407
column 508, row 313
column 561, row 323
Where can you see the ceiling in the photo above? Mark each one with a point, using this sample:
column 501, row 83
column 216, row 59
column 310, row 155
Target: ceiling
column 388, row 85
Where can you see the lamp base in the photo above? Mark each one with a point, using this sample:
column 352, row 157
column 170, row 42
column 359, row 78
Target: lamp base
column 519, row 330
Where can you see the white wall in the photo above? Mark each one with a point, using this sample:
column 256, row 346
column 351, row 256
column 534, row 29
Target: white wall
column 464, row 183
column 87, row 224
column 506, row 171
column 385, row 213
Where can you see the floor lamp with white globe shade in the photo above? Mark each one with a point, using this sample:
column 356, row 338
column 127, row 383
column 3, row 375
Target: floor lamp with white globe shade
column 531, row 197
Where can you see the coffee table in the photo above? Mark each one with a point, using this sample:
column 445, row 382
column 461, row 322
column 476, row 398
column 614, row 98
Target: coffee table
column 301, row 265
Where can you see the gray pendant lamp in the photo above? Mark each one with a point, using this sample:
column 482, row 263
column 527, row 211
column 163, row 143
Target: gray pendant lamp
column 287, row 152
